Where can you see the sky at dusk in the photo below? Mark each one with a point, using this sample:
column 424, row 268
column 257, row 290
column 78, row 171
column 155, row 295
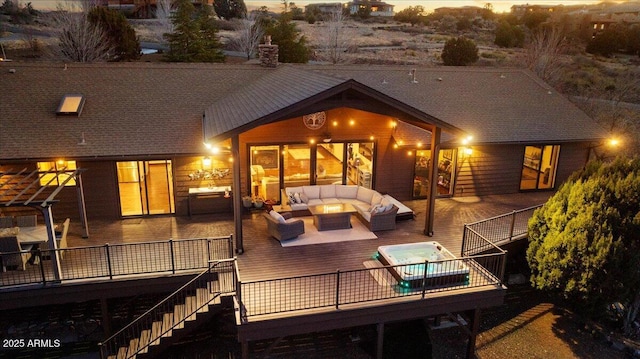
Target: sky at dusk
column 429, row 5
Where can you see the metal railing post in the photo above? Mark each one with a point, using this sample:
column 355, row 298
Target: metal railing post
column 464, row 240
column 513, row 223
column 173, row 257
column 503, row 266
column 424, row 279
column 230, row 246
column 39, row 257
column 106, row 246
column 337, row 288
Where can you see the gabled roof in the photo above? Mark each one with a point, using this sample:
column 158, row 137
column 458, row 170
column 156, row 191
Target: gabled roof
column 273, row 92
column 135, row 109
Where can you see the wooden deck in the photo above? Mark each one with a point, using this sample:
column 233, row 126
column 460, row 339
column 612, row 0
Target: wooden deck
column 264, row 258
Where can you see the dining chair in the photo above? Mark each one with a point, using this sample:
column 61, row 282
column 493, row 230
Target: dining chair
column 12, row 254
column 62, row 241
column 27, row 221
column 6, row 222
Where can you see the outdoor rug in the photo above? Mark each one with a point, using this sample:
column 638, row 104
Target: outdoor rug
column 312, row 236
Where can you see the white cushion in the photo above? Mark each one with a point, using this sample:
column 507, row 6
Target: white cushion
column 277, row 216
column 377, row 198
column 296, row 196
column 387, row 204
column 376, row 208
column 299, row 206
column 315, row 202
column 327, row 191
column 365, row 194
column 331, row 200
column 312, row 192
column 293, row 190
column 346, row 191
column 304, row 198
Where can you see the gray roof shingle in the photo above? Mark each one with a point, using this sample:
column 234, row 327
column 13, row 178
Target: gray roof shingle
column 135, row 109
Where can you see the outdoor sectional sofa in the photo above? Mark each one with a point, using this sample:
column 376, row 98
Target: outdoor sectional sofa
column 376, row 211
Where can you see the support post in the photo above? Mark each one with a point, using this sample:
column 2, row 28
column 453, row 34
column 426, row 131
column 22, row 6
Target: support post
column 106, row 319
column 433, row 188
column 474, row 326
column 82, row 206
column 237, row 193
column 380, row 341
column 51, row 239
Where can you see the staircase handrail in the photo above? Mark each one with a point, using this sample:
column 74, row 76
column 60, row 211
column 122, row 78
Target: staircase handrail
column 212, row 264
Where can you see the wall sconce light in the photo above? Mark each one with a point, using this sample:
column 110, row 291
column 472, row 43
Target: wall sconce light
column 352, row 122
column 206, row 162
column 468, row 151
column 467, row 140
column 614, row 142
column 371, row 138
column 312, row 141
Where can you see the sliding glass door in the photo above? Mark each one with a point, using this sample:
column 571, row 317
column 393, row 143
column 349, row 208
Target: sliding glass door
column 145, row 187
column 539, row 167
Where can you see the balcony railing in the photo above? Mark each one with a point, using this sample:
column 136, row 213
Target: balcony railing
column 111, row 261
column 173, row 312
column 341, row 288
column 482, row 236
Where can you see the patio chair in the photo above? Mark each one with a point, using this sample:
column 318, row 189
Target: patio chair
column 12, row 255
column 61, row 242
column 6, row 222
column 27, row 221
column 287, row 229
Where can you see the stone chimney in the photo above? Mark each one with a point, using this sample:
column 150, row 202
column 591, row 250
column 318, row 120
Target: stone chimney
column 268, row 53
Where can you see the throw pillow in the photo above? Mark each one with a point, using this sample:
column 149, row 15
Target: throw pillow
column 377, row 208
column 304, row 198
column 297, row 197
column 292, row 198
column 277, row 216
column 387, row 204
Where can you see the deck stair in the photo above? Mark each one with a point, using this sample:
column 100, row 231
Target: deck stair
column 175, row 316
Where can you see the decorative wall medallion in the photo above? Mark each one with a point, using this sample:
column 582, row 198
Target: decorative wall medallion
column 315, row 120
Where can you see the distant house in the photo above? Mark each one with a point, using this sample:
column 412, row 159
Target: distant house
column 602, row 18
column 325, row 8
column 470, row 11
column 520, row 10
column 378, row 8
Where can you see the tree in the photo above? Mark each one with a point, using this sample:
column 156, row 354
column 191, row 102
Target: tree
column 583, row 243
column 508, row 35
column 163, row 14
column 335, row 39
column 292, row 47
column 195, row 36
column 459, row 51
column 249, row 34
column 364, row 9
column 412, row 15
column 607, row 42
column 79, row 39
column 543, row 53
column 121, row 36
column 229, row 9
column 533, row 19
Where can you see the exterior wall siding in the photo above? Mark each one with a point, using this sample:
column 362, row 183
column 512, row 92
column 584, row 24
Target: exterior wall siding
column 489, row 170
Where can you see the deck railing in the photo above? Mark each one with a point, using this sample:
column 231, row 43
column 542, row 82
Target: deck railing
column 341, row 288
column 170, row 313
column 482, row 236
column 110, row 261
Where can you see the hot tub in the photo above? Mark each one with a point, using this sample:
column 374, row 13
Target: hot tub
column 407, row 264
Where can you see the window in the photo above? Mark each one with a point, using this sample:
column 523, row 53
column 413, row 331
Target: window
column 70, row 105
column 55, row 173
column 539, row 167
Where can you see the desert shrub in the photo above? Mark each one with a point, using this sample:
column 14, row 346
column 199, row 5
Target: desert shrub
column 459, row 51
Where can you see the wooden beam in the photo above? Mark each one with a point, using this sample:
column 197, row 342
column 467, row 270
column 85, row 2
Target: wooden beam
column 237, row 193
column 380, row 342
column 474, row 326
column 433, row 188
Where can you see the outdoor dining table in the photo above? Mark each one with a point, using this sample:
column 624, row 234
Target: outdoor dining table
column 34, row 237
